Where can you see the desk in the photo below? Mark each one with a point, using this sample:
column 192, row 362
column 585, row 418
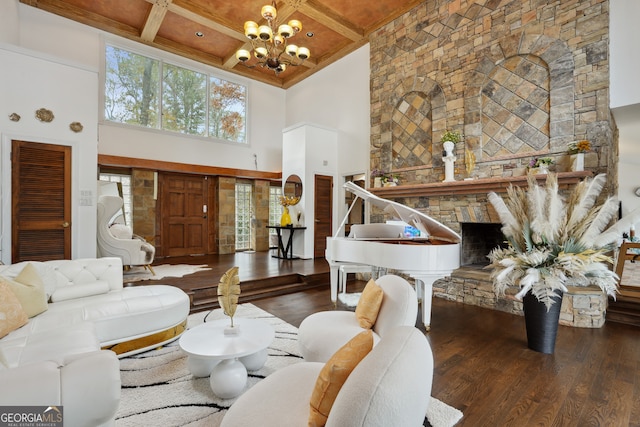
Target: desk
column 285, row 251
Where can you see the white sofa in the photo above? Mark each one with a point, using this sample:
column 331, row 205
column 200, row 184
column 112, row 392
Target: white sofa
column 59, row 356
column 391, row 386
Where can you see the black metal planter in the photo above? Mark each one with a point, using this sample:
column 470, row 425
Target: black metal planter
column 542, row 325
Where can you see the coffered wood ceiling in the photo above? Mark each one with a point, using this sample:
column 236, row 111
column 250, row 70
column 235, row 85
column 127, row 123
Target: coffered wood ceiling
column 338, row 26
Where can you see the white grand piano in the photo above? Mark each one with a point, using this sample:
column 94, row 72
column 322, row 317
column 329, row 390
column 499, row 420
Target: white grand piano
column 428, row 257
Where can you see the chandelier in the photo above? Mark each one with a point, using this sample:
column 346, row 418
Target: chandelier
column 269, row 42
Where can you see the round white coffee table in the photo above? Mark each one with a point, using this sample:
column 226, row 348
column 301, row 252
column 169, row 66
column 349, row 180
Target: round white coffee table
column 227, row 357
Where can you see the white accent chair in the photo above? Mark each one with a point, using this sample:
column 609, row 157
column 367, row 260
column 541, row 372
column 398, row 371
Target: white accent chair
column 391, row 386
column 322, row 334
column 118, row 240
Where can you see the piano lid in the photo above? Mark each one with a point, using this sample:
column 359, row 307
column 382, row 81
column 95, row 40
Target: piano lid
column 428, row 226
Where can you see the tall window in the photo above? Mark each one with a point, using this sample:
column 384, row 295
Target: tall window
column 151, row 93
column 184, row 100
column 125, row 183
column 244, row 214
column 275, row 207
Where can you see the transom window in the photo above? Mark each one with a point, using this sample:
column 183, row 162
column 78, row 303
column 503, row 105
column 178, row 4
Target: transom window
column 148, row 92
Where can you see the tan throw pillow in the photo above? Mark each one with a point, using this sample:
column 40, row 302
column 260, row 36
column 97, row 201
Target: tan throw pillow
column 12, row 315
column 369, row 304
column 29, row 289
column 334, row 373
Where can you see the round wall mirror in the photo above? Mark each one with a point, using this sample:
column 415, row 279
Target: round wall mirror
column 293, row 186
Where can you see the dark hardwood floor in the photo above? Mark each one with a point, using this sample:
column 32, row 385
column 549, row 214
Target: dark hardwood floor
column 483, row 366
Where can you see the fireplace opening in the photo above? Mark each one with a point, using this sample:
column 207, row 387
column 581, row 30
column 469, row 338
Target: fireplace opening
column 478, row 239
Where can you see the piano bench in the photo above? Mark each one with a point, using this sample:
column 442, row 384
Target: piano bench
column 345, row 269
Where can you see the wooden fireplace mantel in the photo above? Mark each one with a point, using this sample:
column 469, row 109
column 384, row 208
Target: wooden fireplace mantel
column 474, row 186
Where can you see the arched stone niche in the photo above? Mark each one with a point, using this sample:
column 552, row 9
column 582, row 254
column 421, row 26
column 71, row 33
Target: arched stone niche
column 519, row 101
column 415, row 109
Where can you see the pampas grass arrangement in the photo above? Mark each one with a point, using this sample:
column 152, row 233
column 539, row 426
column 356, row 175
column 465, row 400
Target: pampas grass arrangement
column 553, row 242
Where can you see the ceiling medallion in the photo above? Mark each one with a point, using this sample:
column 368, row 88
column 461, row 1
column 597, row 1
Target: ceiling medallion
column 270, row 42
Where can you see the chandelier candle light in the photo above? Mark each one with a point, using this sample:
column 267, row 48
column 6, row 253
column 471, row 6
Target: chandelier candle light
column 270, row 42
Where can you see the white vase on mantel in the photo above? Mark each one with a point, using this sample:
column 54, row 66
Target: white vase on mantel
column 578, row 162
column 543, row 169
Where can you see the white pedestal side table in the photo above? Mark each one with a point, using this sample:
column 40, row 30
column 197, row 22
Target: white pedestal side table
column 227, row 357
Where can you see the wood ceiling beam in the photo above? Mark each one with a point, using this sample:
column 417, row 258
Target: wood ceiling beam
column 154, row 20
column 330, row 19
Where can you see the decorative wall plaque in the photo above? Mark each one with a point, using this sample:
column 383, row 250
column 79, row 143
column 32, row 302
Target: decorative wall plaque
column 76, row 127
column 44, row 115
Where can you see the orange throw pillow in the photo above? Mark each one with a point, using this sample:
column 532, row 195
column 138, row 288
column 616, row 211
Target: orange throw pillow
column 369, row 305
column 334, row 373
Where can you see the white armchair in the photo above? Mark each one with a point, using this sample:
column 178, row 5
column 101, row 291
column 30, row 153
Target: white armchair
column 117, row 240
column 391, row 386
column 321, row 334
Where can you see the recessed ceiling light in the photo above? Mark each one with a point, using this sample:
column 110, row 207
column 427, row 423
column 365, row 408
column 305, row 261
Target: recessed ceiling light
column 199, row 34
column 309, row 34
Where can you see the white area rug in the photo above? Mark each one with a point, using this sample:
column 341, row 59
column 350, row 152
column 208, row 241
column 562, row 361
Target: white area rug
column 350, row 300
column 157, row 388
column 136, row 274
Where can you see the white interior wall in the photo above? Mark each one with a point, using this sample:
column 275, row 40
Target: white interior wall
column 624, row 34
column 338, row 98
column 9, row 27
column 27, row 84
column 625, row 96
column 309, row 150
column 628, row 121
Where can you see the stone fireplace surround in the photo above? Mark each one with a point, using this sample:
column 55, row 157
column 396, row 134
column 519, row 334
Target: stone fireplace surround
column 520, row 80
column 463, row 206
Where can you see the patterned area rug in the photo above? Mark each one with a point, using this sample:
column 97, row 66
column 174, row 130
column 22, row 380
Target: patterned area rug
column 157, row 385
column 136, row 274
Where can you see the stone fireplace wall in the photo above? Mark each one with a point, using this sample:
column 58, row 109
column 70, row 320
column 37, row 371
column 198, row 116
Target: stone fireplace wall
column 520, row 79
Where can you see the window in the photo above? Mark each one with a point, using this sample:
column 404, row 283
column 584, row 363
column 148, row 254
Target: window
column 149, row 92
column 125, row 187
column 275, row 207
column 184, row 100
column 244, row 214
column 131, row 88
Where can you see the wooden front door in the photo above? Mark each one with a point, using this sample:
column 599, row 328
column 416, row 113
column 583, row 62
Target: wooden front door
column 323, row 213
column 183, row 216
column 41, row 201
